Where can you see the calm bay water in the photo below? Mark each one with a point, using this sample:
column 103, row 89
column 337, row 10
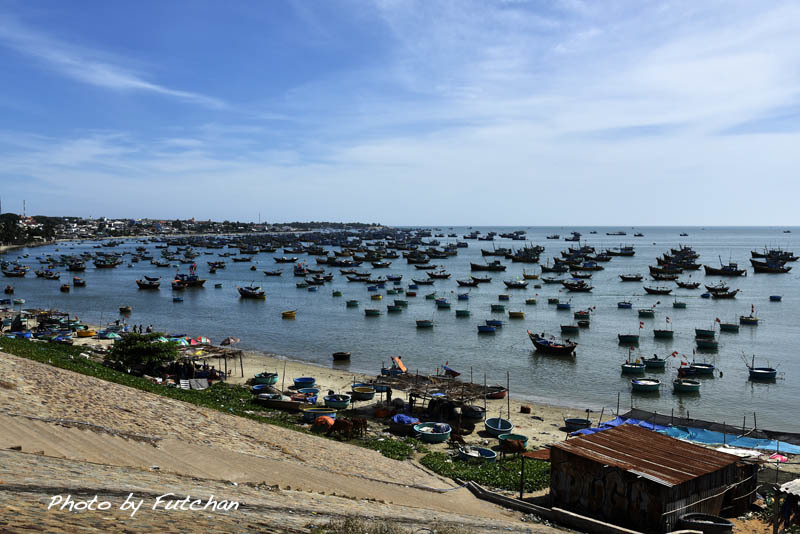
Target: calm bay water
column 590, row 380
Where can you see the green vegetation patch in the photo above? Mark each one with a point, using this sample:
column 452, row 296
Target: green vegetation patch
column 503, row 474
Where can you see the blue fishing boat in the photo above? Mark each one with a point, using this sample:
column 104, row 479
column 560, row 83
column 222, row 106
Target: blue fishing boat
column 497, row 323
column 496, row 426
column 433, row 432
column 302, row 382
column 311, row 414
column 775, row 298
column 339, row 402
column 477, row 453
column 563, row 306
column 486, row 329
column 625, row 305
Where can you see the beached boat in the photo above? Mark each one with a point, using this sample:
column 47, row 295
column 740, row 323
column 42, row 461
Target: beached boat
column 552, row 346
column 573, row 424
column 471, row 453
column 496, row 392
column 362, row 393
column 645, row 385
column 269, row 379
column 497, row 426
column 432, row 432
column 339, row 402
column 279, row 402
column 685, row 385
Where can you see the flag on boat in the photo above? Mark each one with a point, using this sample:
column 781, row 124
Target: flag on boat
column 675, row 354
column 717, row 320
column 667, row 319
column 641, row 325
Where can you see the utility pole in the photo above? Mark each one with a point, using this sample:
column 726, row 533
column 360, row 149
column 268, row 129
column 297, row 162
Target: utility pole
column 24, row 207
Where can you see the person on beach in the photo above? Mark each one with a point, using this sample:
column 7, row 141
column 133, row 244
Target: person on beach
column 150, row 329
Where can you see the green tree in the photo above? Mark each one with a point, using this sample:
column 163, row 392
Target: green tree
column 143, row 352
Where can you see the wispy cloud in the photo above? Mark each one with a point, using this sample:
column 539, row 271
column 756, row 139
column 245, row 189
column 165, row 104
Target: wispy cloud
column 88, row 66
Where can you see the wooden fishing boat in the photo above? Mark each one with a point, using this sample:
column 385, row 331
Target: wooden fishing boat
column 658, row 290
column 625, row 305
column 496, row 392
column 563, row 306
column 486, row 329
column 570, row 329
column 376, row 297
column 467, row 283
column 646, row 313
column 731, row 269
column 284, row 259
column 530, row 301
column 685, row 385
column 529, row 276
column 8, row 290
column 679, row 305
column 462, row 313
column 552, row 346
column 503, row 296
column 427, row 282
column 371, row 312
column 289, row 314
column 352, row 304
column 495, row 266
column 148, row 284
column 762, row 373
column 393, row 308
column 724, row 294
column 728, row 327
column 516, row 284
column 362, row 393
column 277, row 272
column 338, row 402
column 64, row 288
column 645, row 385
column 269, row 379
column 516, row 314
column 251, row 292
column 498, row 308
column 86, row 333
column 775, row 298
column 482, row 280
column 687, row 285
column 424, row 323
column 770, row 266
column 663, row 334
column 125, row 309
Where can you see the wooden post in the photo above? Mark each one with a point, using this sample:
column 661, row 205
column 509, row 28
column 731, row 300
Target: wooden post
column 755, row 421
column 601, row 416
column 241, row 363
column 522, row 476
column 508, row 394
column 470, row 374
column 724, row 433
column 776, row 509
column 672, row 417
column 283, row 380
column 744, row 419
column 484, row 395
column 618, row 403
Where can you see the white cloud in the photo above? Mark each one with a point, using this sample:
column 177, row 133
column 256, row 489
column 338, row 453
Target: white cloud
column 88, row 66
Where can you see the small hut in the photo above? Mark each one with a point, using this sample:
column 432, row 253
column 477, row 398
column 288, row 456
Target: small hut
column 637, row 478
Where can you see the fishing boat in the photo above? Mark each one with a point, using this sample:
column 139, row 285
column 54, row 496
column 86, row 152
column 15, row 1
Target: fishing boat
column 462, row 313
column 8, row 290
column 516, row 314
column 570, row 329
column 424, row 323
column 148, row 284
column 707, row 343
column 679, row 304
column 486, row 329
column 125, row 309
column 658, row 290
column 494, row 266
column 449, row 371
column 279, row 402
column 288, row 314
column 362, row 393
column 573, row 424
column 761, row 373
column 64, row 288
column 371, row 312
column 770, row 266
column 251, row 292
column 563, row 306
column 628, row 339
column 728, row 327
column 503, row 296
column 338, row 402
column 631, row 277
column 498, row 308
column 731, row 269
column 633, row 368
column 724, row 294
column 497, row 323
column 647, row 313
column 645, row 385
column 552, row 346
column 497, row 426
column 482, row 280
column 86, row 333
column 432, row 432
column 687, row 285
column 750, row 320
column 467, row 283
column 284, row 259
column 352, row 304
column 496, row 392
column 177, row 299
column 393, row 308
column 442, row 304
column 78, row 282
column 703, row 369
column 376, row 297
column 529, row 276
column 663, row 334
column 685, row 385
column 654, row 363
column 775, row 298
column 277, row 272
column 625, row 305
column 471, row 453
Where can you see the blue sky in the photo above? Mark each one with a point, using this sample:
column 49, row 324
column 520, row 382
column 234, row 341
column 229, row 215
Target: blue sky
column 518, row 112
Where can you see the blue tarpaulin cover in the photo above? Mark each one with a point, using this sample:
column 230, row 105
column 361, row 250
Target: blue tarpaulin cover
column 699, row 435
column 405, row 419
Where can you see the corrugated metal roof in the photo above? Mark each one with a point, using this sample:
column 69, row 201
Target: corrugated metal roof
column 793, row 487
column 660, row 458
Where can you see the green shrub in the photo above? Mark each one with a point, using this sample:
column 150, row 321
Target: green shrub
column 502, row 474
column 143, row 352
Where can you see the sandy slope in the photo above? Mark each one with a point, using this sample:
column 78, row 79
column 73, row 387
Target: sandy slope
column 205, row 443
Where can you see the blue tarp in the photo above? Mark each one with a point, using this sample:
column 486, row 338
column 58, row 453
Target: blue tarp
column 405, row 419
column 699, row 435
column 709, row 437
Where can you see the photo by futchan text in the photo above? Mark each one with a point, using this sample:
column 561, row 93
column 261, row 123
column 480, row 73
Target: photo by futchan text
column 132, row 504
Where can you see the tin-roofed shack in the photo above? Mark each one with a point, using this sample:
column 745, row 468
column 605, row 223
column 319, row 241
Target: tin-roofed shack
column 640, row 479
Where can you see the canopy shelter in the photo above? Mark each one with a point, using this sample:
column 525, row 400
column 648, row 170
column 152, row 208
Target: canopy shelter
column 205, row 352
